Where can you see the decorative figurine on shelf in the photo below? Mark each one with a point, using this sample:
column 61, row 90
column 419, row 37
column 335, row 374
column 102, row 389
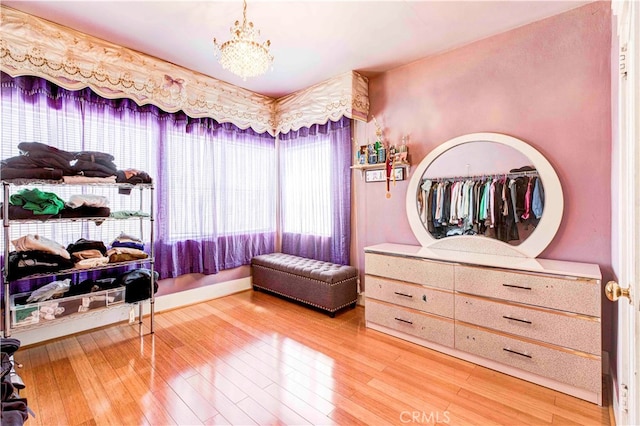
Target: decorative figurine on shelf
column 392, row 151
column 362, row 156
column 403, row 151
column 381, row 152
column 372, row 155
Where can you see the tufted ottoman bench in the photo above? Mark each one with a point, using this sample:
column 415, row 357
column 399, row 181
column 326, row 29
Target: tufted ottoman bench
column 324, row 285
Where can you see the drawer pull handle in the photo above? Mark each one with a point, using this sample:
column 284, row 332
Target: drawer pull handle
column 402, row 294
column 516, row 352
column 516, row 319
column 403, row 320
column 516, row 286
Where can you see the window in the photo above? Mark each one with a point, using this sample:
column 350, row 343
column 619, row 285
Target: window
column 214, row 183
column 316, row 191
column 306, row 188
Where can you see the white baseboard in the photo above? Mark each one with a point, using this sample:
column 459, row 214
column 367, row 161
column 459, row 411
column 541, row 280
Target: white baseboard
column 79, row 323
column 361, row 299
column 200, row 294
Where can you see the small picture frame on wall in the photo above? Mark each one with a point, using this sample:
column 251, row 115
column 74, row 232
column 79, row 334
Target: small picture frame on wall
column 380, row 175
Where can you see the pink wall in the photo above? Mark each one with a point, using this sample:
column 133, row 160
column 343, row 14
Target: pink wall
column 547, row 83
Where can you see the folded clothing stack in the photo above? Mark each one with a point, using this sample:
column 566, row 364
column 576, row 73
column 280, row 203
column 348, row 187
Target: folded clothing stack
column 45, row 162
column 37, row 204
column 36, row 254
column 86, row 205
column 88, row 254
column 125, row 240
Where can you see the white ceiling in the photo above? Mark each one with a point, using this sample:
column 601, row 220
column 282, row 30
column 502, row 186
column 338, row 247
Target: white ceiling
column 311, row 40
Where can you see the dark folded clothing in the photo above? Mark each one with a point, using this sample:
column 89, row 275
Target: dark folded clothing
column 8, row 390
column 30, row 173
column 85, row 211
column 94, row 173
column 132, row 177
column 9, row 345
column 19, row 162
column 24, row 263
column 128, row 244
column 14, row 412
column 138, row 284
column 84, row 244
column 95, row 157
column 90, row 167
column 89, row 285
column 18, row 212
column 45, row 159
column 47, row 149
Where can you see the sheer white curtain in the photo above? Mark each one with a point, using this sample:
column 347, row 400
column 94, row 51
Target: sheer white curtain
column 316, row 191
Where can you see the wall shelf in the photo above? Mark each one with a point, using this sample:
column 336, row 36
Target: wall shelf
column 380, row 166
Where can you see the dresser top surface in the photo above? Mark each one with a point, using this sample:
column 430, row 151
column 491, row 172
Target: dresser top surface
column 546, row 266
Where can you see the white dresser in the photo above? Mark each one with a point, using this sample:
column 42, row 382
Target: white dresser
column 535, row 319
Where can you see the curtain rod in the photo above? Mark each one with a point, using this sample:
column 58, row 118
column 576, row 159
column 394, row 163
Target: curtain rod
column 486, row 176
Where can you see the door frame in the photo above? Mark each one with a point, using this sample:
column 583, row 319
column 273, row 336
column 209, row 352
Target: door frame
column 626, row 212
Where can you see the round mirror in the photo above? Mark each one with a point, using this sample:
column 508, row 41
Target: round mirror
column 485, row 193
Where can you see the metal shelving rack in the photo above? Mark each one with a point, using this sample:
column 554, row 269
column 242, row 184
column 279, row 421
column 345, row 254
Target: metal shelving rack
column 7, row 222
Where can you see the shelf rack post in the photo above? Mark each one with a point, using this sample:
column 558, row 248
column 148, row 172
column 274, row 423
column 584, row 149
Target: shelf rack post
column 5, row 224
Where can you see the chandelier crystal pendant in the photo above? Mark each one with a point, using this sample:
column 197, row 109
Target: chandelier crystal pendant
column 243, row 55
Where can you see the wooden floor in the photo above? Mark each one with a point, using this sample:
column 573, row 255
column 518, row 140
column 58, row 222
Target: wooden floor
column 252, row 358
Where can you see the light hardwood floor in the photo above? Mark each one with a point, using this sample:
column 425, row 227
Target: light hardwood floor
column 252, row 358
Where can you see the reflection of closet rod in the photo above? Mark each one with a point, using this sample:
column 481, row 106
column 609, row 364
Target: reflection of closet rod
column 486, row 176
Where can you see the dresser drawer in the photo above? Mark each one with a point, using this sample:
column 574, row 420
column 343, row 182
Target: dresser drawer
column 579, row 370
column 571, row 295
column 568, row 330
column 418, row 271
column 425, row 326
column 439, row 302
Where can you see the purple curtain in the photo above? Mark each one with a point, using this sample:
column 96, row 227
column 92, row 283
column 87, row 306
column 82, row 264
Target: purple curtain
column 202, row 237
column 316, row 197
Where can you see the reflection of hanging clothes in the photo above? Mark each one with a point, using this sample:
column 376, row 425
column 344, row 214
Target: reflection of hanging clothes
column 496, row 213
column 446, row 202
column 455, row 201
column 429, row 203
column 527, row 201
column 439, row 204
column 425, row 206
column 492, row 204
column 537, row 201
column 484, row 202
column 513, row 193
column 511, row 227
column 486, row 206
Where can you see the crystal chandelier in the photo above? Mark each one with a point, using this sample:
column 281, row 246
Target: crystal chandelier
column 243, row 55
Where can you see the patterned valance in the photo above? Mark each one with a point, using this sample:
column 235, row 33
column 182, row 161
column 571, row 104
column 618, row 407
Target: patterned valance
column 33, row 46
column 346, row 95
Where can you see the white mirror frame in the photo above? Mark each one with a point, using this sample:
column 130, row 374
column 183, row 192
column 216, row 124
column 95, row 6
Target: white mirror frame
column 533, row 245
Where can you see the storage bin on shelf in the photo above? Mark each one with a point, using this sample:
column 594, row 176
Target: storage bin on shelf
column 24, row 314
